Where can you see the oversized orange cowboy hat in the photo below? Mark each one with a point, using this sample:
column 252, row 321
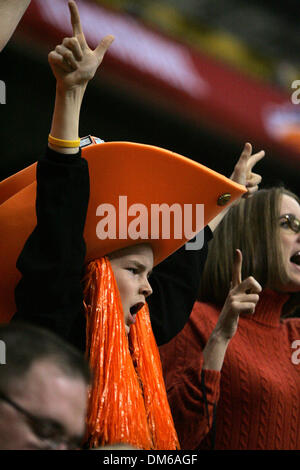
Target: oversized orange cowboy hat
column 139, row 174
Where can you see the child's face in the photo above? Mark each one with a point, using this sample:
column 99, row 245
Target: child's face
column 132, row 267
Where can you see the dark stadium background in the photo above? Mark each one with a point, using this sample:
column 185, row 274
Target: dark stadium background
column 115, row 112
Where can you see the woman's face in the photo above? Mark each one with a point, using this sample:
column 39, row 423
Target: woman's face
column 290, row 242
column 132, row 267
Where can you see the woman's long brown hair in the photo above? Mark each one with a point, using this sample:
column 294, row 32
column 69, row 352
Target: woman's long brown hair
column 253, row 227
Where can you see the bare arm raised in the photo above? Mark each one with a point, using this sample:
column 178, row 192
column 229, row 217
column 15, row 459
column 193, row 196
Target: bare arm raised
column 242, row 298
column 73, row 64
column 52, row 259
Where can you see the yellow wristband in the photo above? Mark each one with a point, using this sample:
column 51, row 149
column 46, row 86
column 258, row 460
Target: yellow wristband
column 63, row 143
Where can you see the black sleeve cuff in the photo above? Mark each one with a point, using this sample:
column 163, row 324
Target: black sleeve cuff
column 61, row 158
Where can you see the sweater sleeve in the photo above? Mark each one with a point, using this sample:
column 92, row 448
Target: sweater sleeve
column 51, row 262
column 192, row 392
column 175, row 283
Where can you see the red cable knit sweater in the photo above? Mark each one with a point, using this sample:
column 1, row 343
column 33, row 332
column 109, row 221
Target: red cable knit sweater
column 258, row 390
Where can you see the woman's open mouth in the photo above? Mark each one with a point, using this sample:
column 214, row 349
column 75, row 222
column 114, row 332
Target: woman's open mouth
column 295, row 259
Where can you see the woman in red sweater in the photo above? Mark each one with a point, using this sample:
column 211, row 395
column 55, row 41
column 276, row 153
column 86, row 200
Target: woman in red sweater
column 250, row 398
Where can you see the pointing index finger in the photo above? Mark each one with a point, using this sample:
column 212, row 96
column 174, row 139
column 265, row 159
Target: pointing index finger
column 246, row 153
column 75, row 18
column 237, row 268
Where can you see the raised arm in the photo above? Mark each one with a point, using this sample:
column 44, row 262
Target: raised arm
column 176, row 280
column 73, row 64
column 51, row 262
column 242, row 298
column 192, row 363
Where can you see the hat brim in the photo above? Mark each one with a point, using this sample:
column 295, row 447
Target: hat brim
column 144, row 174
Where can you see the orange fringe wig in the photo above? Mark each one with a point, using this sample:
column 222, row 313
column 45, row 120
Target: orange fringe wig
column 127, row 400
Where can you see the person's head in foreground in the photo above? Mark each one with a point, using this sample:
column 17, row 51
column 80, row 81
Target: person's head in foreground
column 43, row 391
column 266, row 228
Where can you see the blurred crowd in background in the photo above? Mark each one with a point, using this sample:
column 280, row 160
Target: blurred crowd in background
column 252, row 48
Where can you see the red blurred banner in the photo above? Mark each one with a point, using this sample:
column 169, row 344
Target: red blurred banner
column 199, row 87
